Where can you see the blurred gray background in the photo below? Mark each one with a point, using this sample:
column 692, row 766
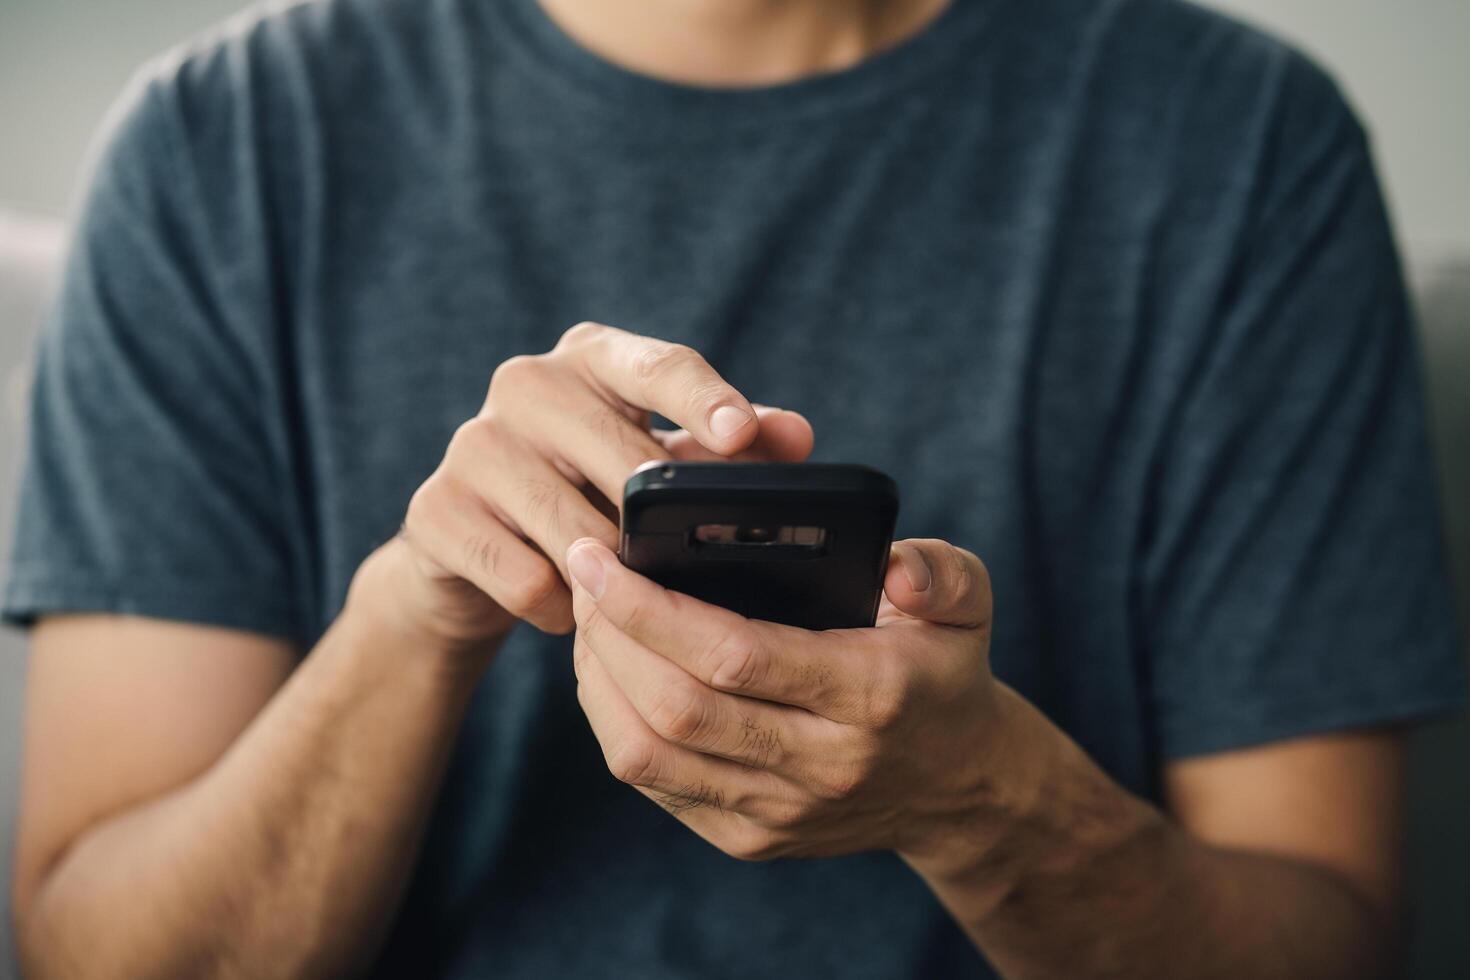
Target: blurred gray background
column 1404, row 65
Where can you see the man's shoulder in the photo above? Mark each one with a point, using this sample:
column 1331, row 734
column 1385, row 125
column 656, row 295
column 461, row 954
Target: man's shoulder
column 1164, row 33
column 1180, row 89
column 1223, row 63
column 1153, row 52
column 295, row 61
column 284, row 92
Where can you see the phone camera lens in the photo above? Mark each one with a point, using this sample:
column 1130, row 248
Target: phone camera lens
column 757, row 535
column 666, row 472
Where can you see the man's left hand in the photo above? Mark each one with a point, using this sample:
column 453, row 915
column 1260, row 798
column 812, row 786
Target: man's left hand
column 772, row 741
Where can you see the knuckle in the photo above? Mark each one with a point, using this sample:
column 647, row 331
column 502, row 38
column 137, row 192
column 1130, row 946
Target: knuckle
column 678, row 713
column 736, row 660
column 529, row 592
column 634, row 761
column 887, row 700
column 581, row 333
column 562, row 625
column 477, row 436
column 423, row 503
column 432, row 517
column 514, row 373
column 742, row 799
column 707, row 392
column 659, row 361
column 789, row 812
column 752, row 844
column 839, row 782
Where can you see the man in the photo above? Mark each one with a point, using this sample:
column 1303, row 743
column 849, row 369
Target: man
column 1107, row 287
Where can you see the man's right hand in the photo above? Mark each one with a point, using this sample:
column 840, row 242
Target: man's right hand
column 542, row 465
column 166, row 762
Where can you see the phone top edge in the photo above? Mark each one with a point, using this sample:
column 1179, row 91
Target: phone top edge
column 659, row 475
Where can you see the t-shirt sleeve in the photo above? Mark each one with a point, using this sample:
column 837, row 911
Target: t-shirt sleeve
column 1295, row 580
column 149, row 485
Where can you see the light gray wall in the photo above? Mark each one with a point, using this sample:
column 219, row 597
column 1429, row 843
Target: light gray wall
column 62, row 62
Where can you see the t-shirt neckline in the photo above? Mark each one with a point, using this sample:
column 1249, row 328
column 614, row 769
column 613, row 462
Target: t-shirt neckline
column 566, row 63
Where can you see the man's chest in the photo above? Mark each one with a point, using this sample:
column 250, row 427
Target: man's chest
column 926, row 329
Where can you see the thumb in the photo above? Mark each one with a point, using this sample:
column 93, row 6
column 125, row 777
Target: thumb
column 937, row 582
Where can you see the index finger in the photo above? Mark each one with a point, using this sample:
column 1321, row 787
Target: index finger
column 831, row 673
column 668, row 378
column 784, row 436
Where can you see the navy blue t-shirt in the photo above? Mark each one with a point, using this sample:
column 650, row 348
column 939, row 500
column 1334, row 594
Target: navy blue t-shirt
column 1107, row 286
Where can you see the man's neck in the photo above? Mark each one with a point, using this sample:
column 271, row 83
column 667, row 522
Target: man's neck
column 739, row 42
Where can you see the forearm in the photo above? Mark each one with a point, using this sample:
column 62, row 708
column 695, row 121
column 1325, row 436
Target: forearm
column 1090, row 881
column 284, row 857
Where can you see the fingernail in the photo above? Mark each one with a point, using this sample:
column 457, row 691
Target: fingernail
column 914, row 566
column 587, row 569
column 728, row 420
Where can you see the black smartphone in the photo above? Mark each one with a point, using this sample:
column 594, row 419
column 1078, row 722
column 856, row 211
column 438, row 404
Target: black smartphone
column 805, row 544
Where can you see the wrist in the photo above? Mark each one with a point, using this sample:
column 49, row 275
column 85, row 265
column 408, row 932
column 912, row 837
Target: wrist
column 982, row 840
column 1055, row 816
column 380, row 607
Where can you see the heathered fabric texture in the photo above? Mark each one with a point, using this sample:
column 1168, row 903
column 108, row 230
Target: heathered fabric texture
column 1107, row 287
